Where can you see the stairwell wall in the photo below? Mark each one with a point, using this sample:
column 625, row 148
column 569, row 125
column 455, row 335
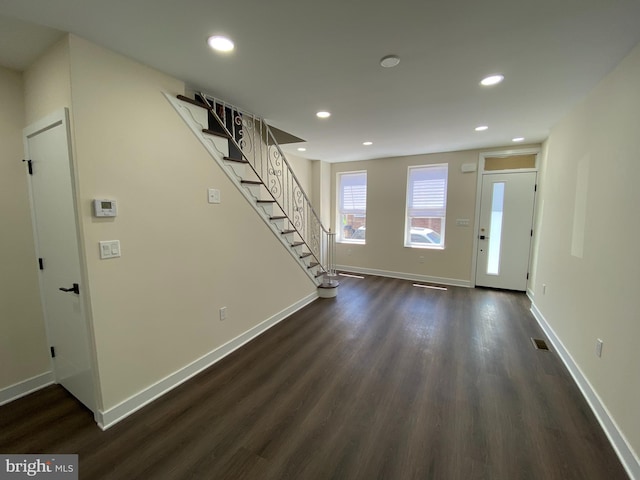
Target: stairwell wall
column 156, row 309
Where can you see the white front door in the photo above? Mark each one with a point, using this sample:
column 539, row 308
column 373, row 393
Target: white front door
column 505, row 230
column 47, row 146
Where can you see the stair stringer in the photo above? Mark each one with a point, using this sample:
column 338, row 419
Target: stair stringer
column 197, row 120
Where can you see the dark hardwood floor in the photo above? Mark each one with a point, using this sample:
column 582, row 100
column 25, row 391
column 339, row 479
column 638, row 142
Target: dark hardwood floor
column 387, row 381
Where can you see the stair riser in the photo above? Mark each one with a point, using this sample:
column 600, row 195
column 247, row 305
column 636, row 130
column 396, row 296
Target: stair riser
column 254, row 190
column 197, row 113
column 266, row 208
column 280, row 223
column 238, row 169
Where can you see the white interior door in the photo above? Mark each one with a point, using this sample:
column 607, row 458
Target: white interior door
column 505, row 229
column 47, row 146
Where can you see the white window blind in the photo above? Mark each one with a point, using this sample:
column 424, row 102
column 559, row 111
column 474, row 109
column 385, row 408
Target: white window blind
column 427, row 195
column 353, row 193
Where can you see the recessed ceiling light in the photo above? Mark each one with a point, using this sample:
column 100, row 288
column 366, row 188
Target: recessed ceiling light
column 302, row 149
column 481, row 128
column 323, row 114
column 367, row 143
column 517, row 139
column 390, row 61
column 220, row 43
column 492, row 80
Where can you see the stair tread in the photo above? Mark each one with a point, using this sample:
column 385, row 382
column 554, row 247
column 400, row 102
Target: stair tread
column 266, row 201
column 279, row 217
column 192, row 101
column 213, row 132
column 313, row 264
column 237, row 160
column 251, row 182
column 305, row 255
column 297, row 244
column 287, row 232
column 320, row 274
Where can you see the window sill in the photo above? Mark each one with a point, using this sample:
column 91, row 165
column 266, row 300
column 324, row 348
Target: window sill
column 352, row 242
column 426, row 247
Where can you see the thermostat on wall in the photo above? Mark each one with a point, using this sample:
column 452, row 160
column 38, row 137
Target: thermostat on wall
column 104, row 208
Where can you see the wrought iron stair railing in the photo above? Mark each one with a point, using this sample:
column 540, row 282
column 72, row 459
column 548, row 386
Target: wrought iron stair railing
column 253, row 143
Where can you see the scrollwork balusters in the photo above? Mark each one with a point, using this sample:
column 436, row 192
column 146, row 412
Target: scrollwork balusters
column 258, row 146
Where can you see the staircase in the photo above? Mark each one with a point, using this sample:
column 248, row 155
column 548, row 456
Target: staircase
column 247, row 151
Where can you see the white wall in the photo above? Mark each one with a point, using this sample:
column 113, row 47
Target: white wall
column 588, row 255
column 23, row 344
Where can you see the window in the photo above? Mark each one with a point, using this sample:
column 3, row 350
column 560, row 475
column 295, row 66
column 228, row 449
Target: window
column 426, row 206
column 497, row 208
column 352, row 206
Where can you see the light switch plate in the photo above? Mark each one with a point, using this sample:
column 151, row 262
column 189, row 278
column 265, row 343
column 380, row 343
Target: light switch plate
column 109, row 249
column 462, row 222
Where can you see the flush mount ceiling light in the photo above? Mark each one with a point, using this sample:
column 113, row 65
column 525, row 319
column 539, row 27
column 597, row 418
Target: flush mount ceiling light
column 390, row 61
column 517, row 139
column 492, row 80
column 302, row 149
column 481, row 128
column 220, row 43
column 367, row 143
column 323, row 114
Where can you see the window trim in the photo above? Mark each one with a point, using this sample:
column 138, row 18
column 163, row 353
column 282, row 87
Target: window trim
column 339, row 211
column 409, row 207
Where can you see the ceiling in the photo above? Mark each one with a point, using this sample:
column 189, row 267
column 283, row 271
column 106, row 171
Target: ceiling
column 296, row 57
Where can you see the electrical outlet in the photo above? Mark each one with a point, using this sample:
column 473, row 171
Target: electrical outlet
column 599, row 347
column 213, row 195
column 223, row 313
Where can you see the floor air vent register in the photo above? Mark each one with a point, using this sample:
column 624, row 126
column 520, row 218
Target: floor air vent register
column 539, row 344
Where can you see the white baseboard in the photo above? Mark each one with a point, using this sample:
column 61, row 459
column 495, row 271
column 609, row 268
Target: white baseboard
column 405, row 276
column 627, row 456
column 20, row 389
column 531, row 295
column 110, row 417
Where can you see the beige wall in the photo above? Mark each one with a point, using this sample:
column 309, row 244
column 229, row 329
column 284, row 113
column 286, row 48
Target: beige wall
column 386, row 204
column 303, row 169
column 322, row 191
column 23, row 344
column 591, row 268
column 47, row 83
column 156, row 309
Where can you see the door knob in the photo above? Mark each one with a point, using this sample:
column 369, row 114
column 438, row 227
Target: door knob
column 75, row 289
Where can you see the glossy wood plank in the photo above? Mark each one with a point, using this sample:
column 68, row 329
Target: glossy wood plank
column 386, row 381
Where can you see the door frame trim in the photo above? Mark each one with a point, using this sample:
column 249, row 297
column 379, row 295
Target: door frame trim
column 62, row 117
column 481, row 173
